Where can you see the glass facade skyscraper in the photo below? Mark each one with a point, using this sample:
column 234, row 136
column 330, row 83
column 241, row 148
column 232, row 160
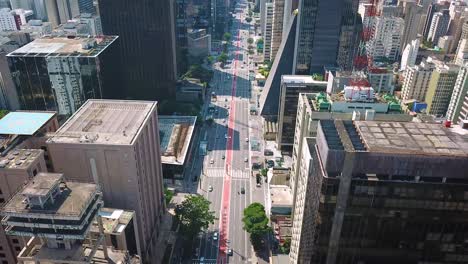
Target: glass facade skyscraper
column 321, row 25
column 146, row 32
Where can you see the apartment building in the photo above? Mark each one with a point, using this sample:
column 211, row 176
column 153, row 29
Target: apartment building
column 440, row 89
column 416, row 80
column 458, row 107
column 381, row 192
column 386, row 39
column 116, row 144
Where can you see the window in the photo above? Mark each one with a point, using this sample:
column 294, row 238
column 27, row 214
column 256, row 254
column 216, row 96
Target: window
column 2, row 200
column 17, row 248
column 2, row 255
column 15, row 241
column 4, row 262
column 35, row 172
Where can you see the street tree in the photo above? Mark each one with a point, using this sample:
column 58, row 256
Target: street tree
column 194, row 215
column 223, row 58
column 248, row 19
column 256, row 223
column 250, row 40
column 227, row 36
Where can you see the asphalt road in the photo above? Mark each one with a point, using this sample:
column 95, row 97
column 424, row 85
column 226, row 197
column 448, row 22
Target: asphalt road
column 226, row 166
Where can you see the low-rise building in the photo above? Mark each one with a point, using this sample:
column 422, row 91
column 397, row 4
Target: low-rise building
column 190, row 90
column 381, row 79
column 37, row 28
column 198, row 42
column 58, row 216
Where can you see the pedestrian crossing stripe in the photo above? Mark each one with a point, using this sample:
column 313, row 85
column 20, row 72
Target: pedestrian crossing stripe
column 220, row 173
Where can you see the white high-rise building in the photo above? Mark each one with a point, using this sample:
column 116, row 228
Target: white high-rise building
column 7, row 20
column 461, row 57
column 458, row 106
column 439, row 26
column 408, row 57
column 268, row 31
column 417, row 80
column 386, row 39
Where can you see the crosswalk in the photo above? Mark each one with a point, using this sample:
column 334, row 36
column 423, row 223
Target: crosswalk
column 221, row 172
column 205, row 261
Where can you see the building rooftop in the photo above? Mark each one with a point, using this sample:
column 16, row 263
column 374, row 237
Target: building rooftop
column 281, row 195
column 114, row 221
column 20, row 158
column 175, row 133
column 113, row 122
column 69, row 204
column 63, row 46
column 300, row 79
column 411, row 137
column 42, row 184
column 24, row 123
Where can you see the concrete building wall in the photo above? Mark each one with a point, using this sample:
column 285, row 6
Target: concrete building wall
column 459, row 94
column 130, row 177
column 277, row 27
column 267, row 31
column 416, row 82
column 440, row 89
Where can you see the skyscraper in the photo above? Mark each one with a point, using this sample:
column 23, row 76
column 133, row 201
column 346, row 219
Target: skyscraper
column 277, row 27
column 60, row 11
column 439, row 25
column 319, row 31
column 146, row 32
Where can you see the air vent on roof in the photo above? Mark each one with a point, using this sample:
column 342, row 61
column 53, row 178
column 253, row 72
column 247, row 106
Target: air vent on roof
column 11, row 157
column 16, row 153
column 27, row 153
column 19, row 162
column 23, row 158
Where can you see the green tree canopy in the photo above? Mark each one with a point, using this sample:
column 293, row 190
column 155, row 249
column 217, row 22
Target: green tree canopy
column 250, row 40
column 194, row 215
column 223, row 57
column 260, row 41
column 256, row 223
column 227, row 36
column 197, row 71
column 248, row 19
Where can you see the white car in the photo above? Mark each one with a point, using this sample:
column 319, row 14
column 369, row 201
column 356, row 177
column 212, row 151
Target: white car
column 210, row 188
column 215, row 236
column 246, row 139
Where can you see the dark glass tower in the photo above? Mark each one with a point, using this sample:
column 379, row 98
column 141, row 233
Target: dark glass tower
column 147, row 50
column 321, row 25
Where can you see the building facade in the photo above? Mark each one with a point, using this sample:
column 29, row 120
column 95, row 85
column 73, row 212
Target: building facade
column 116, row 144
column 393, row 194
column 318, row 33
column 268, row 31
column 386, row 39
column 458, row 107
column 277, row 27
column 440, row 89
column 60, row 74
column 9, row 21
column 146, row 33
column 291, row 87
column 439, row 26
column 409, row 55
column 416, row 81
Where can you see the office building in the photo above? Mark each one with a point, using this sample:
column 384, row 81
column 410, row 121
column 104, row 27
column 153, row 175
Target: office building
column 382, row 183
column 386, row 39
column 181, row 24
column 116, row 144
column 289, row 8
column 277, row 27
column 60, row 11
column 93, row 21
column 313, row 107
column 9, row 21
column 60, row 73
column 441, row 88
column 416, row 80
column 458, row 107
column 58, row 216
column 146, row 33
column 262, row 15
column 267, row 31
column 409, row 55
column 456, row 29
column 198, row 42
column 11, row 41
column 291, row 87
column 282, row 65
column 381, row 79
column 37, row 29
column 21, row 140
column 439, row 26
column 319, row 30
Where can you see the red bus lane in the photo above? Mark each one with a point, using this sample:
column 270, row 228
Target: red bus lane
column 226, row 196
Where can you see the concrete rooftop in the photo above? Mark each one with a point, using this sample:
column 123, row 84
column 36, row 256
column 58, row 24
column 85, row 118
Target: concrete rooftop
column 19, row 158
column 69, row 204
column 48, row 46
column 411, row 137
column 42, row 184
column 113, row 122
column 175, row 133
